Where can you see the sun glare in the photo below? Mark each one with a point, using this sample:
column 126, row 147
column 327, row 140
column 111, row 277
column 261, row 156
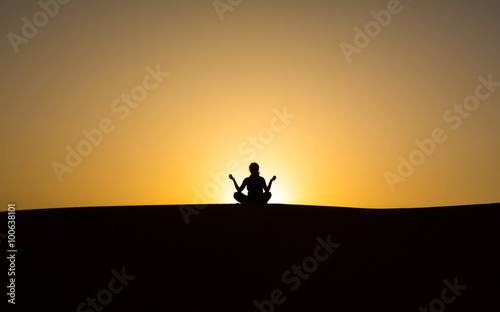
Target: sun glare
column 278, row 195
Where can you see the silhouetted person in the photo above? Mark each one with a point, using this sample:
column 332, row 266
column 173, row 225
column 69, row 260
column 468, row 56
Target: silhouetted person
column 258, row 191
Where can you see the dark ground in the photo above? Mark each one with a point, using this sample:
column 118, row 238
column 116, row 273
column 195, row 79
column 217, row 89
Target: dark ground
column 231, row 255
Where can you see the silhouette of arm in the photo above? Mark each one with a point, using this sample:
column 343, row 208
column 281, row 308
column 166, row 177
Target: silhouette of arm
column 268, row 188
column 239, row 189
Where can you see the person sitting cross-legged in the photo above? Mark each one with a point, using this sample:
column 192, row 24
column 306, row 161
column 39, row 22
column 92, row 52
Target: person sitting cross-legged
column 258, row 191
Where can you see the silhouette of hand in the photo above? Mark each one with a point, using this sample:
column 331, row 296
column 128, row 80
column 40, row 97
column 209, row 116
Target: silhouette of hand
column 273, row 178
column 231, row 177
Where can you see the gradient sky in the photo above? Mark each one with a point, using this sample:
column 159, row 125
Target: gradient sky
column 264, row 81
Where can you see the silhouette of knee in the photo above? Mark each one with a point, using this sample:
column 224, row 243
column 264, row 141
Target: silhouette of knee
column 267, row 196
column 239, row 197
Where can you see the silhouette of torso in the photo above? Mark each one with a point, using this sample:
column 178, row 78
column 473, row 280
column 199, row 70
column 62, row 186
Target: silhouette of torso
column 255, row 186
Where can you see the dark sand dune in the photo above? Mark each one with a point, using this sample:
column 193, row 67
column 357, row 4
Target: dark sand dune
column 231, row 255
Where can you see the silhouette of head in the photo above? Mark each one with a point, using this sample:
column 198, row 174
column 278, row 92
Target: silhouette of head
column 254, row 168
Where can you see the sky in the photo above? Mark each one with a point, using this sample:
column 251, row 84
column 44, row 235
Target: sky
column 373, row 104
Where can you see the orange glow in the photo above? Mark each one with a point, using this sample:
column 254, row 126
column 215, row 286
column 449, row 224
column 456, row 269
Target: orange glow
column 228, row 99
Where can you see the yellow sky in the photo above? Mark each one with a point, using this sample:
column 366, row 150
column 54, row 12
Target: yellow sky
column 161, row 100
